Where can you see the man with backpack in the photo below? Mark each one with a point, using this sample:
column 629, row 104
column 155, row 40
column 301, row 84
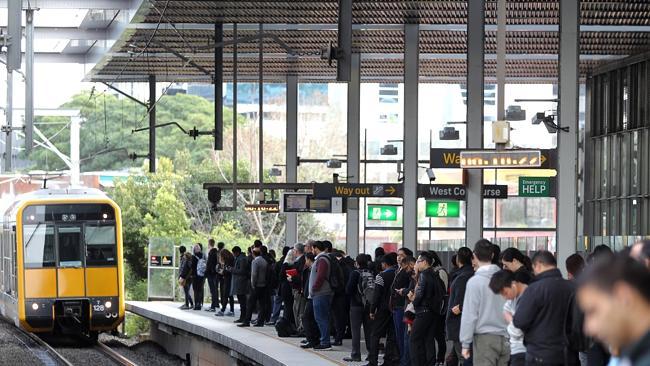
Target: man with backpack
column 428, row 302
column 339, row 300
column 359, row 289
column 320, row 292
column 381, row 315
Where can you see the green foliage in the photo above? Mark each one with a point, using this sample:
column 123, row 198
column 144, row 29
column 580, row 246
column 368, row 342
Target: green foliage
column 167, row 217
column 135, row 325
column 228, row 233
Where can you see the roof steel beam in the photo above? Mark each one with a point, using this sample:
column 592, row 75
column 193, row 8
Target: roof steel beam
column 325, row 78
column 423, row 27
column 70, row 33
column 77, row 4
column 369, row 56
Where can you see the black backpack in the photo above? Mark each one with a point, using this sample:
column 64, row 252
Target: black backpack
column 440, row 286
column 366, row 287
column 336, row 277
column 576, row 339
column 284, row 328
column 271, row 277
column 437, row 302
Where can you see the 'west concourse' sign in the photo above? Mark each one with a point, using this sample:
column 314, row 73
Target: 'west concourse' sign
column 458, row 191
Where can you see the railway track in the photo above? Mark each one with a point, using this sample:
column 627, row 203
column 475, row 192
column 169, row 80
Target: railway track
column 114, row 355
column 79, row 351
column 40, row 349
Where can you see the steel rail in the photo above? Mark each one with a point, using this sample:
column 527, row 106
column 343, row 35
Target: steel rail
column 114, row 355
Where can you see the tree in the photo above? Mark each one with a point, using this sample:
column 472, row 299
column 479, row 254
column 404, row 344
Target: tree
column 172, row 203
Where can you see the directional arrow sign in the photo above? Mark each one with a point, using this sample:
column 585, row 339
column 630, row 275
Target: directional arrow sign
column 382, row 212
column 450, row 158
column 350, row 190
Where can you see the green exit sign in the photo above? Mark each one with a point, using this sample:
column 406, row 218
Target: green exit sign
column 382, row 212
column 443, row 209
column 534, row 186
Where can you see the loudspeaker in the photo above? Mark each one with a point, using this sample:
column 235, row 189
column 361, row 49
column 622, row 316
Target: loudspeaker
column 214, row 194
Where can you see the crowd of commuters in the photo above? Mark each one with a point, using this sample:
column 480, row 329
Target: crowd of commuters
column 491, row 307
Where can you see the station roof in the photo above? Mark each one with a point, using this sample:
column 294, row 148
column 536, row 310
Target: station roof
column 163, row 35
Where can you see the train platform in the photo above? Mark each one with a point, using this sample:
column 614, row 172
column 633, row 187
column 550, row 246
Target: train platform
column 211, row 340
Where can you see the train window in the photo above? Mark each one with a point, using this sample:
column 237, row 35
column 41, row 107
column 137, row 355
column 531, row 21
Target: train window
column 39, row 245
column 100, row 245
column 70, row 246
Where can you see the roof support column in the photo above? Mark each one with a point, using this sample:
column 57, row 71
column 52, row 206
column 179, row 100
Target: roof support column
column 152, row 123
column 567, row 142
column 291, row 229
column 353, row 153
column 411, row 80
column 475, row 88
column 260, row 112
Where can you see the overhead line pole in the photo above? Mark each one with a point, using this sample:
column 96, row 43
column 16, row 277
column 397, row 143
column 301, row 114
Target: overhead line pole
column 152, row 123
column 29, row 79
column 235, row 179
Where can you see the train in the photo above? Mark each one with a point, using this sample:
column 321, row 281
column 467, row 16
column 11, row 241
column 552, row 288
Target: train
column 61, row 262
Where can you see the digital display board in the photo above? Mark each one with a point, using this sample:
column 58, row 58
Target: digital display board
column 320, row 205
column 499, row 159
column 295, row 203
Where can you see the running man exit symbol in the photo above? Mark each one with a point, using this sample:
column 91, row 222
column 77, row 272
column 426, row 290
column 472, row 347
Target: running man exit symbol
column 442, row 209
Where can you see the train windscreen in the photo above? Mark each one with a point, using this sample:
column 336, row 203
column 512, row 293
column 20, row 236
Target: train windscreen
column 69, row 235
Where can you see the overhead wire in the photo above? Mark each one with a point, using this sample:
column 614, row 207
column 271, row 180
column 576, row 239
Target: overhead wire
column 146, row 46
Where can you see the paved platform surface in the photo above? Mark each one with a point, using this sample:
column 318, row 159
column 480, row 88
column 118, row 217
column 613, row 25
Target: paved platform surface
column 259, row 344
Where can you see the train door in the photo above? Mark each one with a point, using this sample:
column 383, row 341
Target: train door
column 70, row 272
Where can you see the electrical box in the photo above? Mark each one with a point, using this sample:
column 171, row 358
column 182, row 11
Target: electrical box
column 501, row 132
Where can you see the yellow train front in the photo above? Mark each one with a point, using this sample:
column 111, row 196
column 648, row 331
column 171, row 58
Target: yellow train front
column 62, row 264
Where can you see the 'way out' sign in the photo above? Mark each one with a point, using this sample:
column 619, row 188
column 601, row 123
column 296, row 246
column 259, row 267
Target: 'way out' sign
column 450, row 158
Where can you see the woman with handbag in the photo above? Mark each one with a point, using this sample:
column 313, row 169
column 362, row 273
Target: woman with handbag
column 185, row 276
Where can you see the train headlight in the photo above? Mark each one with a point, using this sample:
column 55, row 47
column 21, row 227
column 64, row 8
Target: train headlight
column 35, row 306
column 108, row 304
column 105, row 216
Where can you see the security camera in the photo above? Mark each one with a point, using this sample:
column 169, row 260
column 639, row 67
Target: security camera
column 449, row 133
column 538, row 118
column 431, row 174
column 333, row 164
column 388, row 149
column 515, row 113
column 214, row 196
